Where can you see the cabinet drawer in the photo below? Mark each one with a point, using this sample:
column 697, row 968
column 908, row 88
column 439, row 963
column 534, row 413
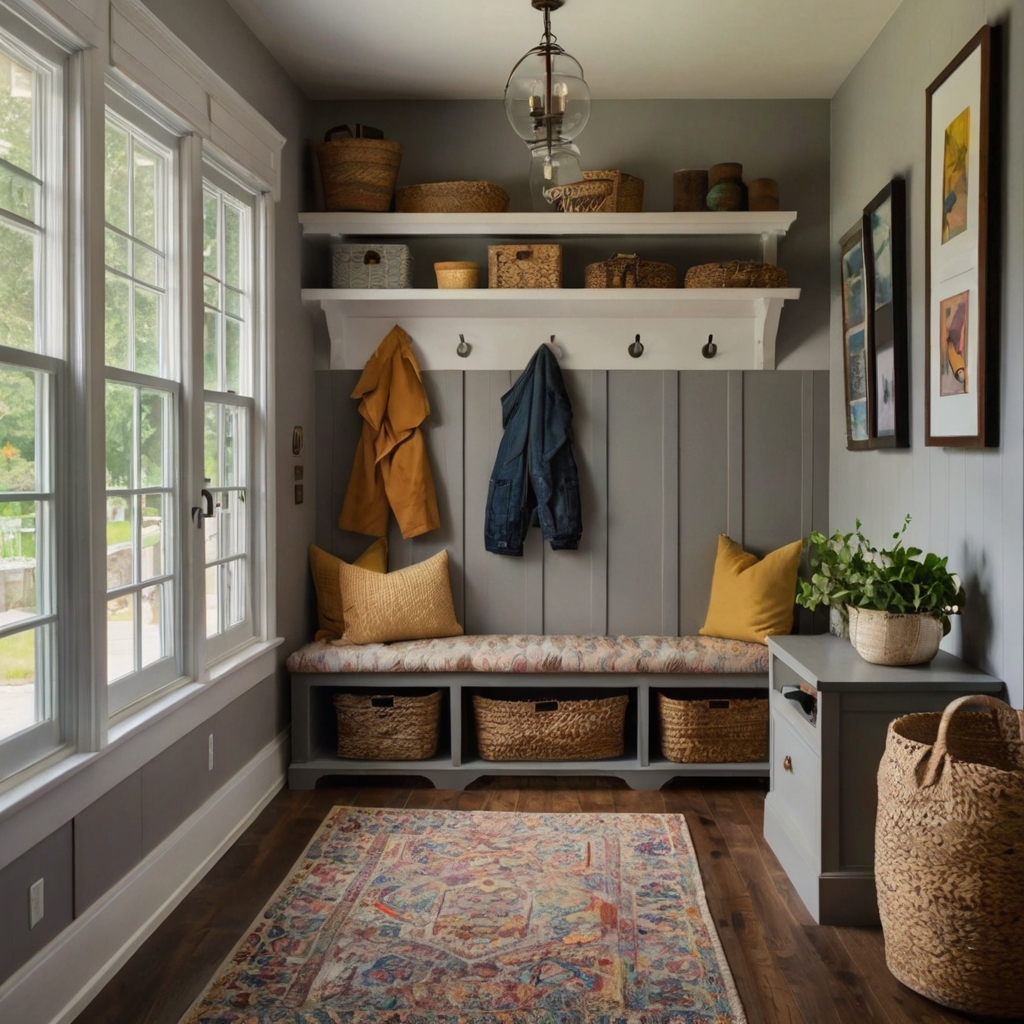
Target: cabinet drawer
column 796, row 786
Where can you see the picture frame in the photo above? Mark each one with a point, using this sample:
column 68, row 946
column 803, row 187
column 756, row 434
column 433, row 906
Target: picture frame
column 856, row 361
column 885, row 273
column 961, row 335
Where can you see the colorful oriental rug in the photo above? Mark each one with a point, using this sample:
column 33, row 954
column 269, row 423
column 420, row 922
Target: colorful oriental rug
column 477, row 917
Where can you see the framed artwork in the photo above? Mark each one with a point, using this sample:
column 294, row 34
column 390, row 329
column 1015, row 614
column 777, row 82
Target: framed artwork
column 856, row 367
column 960, row 367
column 885, row 265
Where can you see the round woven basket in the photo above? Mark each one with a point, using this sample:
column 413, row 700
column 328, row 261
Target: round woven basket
column 717, row 730
column 736, row 274
column 452, row 197
column 949, row 868
column 387, row 728
column 884, row 638
column 550, row 730
column 629, row 272
column 627, row 195
column 457, row 274
column 579, row 196
column 359, row 174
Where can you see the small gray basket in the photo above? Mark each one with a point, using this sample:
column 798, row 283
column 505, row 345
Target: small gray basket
column 370, row 266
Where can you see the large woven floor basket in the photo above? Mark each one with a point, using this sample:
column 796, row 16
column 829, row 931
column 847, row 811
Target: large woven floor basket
column 387, row 728
column 550, row 730
column 718, row 730
column 949, row 856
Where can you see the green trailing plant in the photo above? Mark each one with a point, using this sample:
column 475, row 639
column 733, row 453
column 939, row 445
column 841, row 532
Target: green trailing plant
column 846, row 570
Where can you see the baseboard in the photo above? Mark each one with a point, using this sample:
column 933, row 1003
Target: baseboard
column 57, row 983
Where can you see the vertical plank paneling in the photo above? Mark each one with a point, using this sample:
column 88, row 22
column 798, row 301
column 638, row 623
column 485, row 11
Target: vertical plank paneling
column 599, row 524
column 703, row 487
column 734, row 435
column 819, row 516
column 670, row 504
column 326, row 439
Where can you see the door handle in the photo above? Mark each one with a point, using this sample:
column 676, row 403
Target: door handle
column 199, row 513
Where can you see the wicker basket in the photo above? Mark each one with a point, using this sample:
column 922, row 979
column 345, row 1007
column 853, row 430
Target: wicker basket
column 949, row 856
column 452, row 197
column 716, row 730
column 370, row 265
column 359, row 174
column 580, row 196
column 387, row 728
column 629, row 271
column 689, row 191
column 524, row 266
column 736, row 274
column 886, row 638
column 763, row 194
column 728, row 172
column 457, row 274
column 550, row 730
column 627, row 195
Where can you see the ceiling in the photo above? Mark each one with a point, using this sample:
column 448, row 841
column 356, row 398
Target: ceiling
column 630, row 49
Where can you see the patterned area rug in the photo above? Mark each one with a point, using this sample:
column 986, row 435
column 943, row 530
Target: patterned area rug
column 477, row 917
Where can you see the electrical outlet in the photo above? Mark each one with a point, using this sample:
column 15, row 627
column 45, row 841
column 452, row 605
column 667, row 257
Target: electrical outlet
column 35, row 903
column 209, row 758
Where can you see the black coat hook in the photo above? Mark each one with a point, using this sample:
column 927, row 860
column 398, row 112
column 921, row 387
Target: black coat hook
column 636, row 350
column 463, row 348
column 708, row 351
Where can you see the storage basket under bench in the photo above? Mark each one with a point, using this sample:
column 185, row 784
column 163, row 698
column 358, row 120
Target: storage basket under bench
column 528, row 705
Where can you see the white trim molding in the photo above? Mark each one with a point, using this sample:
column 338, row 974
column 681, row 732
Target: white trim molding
column 57, row 983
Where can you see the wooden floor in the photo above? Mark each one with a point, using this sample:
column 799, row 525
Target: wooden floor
column 787, row 969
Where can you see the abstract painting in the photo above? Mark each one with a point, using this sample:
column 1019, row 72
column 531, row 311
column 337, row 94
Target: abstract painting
column 955, row 163
column 855, row 363
column 953, row 344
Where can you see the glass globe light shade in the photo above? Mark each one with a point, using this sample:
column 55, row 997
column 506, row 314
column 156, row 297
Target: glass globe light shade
column 526, row 97
column 558, row 165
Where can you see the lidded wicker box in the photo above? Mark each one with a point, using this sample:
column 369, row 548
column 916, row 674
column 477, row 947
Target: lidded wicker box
column 383, row 727
column 370, row 265
column 715, row 730
column 550, row 730
column 524, row 266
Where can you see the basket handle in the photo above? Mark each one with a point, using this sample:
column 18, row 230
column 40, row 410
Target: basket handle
column 546, row 705
column 938, row 755
column 382, row 702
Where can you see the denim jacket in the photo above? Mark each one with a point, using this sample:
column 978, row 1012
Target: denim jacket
column 534, row 477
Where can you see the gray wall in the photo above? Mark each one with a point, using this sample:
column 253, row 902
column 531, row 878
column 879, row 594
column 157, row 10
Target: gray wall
column 967, row 504
column 667, row 462
column 783, row 139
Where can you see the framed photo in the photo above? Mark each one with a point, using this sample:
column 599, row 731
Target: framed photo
column 885, row 263
column 960, row 368
column 856, row 365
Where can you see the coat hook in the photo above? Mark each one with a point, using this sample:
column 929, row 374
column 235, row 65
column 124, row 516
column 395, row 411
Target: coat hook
column 636, row 350
column 463, row 348
column 555, row 348
column 708, row 351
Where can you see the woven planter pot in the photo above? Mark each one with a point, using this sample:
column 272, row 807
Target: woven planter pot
column 359, row 174
column 736, row 274
column 457, row 274
column 949, row 856
column 387, row 728
column 452, row 197
column 713, row 731
column 885, row 638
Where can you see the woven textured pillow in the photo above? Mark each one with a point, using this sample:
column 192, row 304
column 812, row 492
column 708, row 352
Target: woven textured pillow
column 750, row 599
column 410, row 604
column 327, row 581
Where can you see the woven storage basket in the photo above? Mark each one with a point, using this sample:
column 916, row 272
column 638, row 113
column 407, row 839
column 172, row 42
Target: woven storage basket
column 457, row 274
column 629, row 271
column 580, row 196
column 718, row 730
column 452, row 197
column 359, row 174
column 370, row 266
column 387, row 728
column 885, row 638
column 949, row 856
column 550, row 730
column 736, row 274
column 627, row 195
column 763, row 194
column 689, row 191
column 524, row 266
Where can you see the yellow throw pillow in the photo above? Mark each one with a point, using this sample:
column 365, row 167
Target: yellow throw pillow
column 752, row 600
column 327, row 581
column 411, row 604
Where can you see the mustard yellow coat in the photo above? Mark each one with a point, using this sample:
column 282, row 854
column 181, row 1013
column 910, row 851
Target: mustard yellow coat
column 391, row 468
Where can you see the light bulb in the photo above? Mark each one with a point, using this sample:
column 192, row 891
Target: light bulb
column 559, row 97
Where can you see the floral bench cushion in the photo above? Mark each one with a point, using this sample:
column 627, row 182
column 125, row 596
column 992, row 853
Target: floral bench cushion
column 524, row 653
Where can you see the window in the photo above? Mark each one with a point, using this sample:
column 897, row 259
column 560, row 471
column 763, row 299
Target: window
column 32, row 354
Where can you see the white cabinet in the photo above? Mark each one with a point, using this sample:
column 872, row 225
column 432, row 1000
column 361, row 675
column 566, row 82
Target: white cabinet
column 594, row 328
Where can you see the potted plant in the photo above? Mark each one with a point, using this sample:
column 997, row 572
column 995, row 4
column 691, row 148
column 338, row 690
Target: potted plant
column 898, row 603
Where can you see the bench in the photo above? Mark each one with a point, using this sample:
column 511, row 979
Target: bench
column 522, row 667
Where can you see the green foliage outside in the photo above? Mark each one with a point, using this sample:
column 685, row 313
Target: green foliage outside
column 18, row 653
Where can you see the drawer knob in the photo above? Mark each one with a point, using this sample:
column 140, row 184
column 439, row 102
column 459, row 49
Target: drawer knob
column 787, row 763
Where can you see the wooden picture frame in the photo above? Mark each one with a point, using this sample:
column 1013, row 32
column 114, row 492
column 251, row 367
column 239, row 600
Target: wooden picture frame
column 856, row 358
column 961, row 336
column 885, row 274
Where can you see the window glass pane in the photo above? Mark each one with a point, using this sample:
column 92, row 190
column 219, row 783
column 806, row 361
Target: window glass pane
column 116, row 177
column 233, row 302
column 212, row 617
column 232, row 246
column 120, row 543
column 211, row 532
column 116, row 252
column 120, row 417
column 148, row 307
column 233, row 574
column 148, row 266
column 120, row 636
column 16, row 91
column 211, row 292
column 17, row 193
column 117, row 328
column 19, row 596
column 18, row 401
column 211, row 446
column 152, row 535
column 233, row 442
column 17, row 289
column 153, row 413
column 154, row 626
column 146, row 181
column 210, row 261
column 211, row 351
column 231, row 524
column 232, row 354
column 19, row 673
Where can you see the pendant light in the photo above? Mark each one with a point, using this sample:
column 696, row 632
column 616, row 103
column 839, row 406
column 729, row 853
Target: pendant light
column 548, row 105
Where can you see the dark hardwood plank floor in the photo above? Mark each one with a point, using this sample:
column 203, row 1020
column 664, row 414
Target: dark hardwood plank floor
column 788, row 970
